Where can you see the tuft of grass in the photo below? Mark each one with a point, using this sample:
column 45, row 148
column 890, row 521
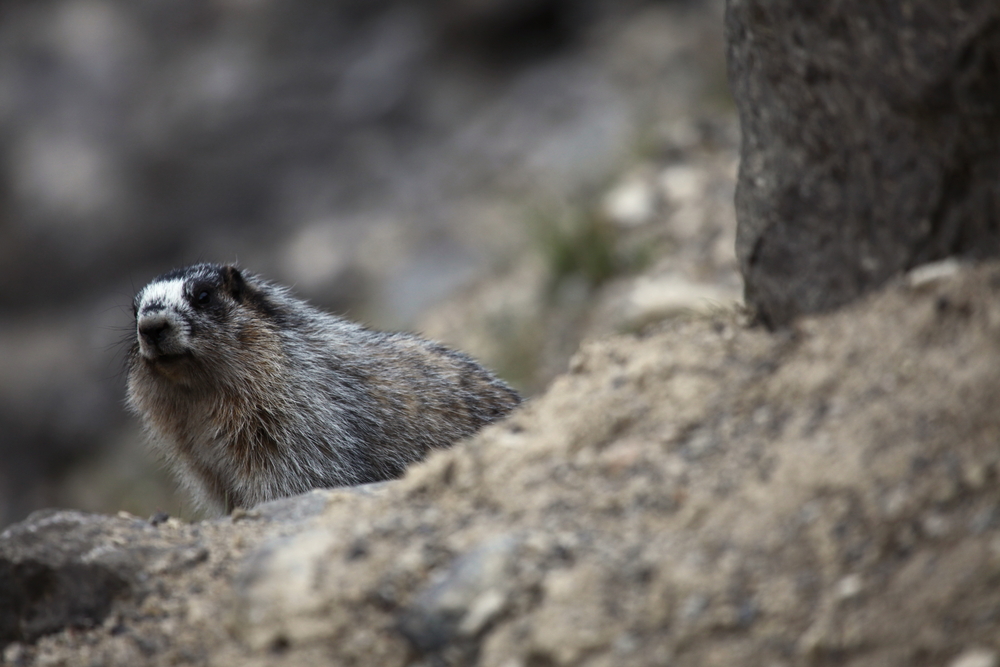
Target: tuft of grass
column 580, row 246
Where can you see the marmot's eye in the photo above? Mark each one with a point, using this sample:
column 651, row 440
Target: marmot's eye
column 204, row 296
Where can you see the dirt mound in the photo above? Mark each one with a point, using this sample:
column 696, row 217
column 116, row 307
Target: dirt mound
column 701, row 494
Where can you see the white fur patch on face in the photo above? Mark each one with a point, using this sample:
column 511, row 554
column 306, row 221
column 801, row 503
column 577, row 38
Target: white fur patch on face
column 161, row 328
column 168, row 294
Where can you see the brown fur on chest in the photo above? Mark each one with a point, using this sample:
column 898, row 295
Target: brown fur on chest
column 225, row 441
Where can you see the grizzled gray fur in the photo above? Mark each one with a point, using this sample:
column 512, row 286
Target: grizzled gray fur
column 251, row 394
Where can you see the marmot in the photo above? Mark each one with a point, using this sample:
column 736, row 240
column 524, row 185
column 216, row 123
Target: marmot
column 251, row 394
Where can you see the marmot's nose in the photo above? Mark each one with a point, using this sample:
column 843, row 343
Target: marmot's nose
column 153, row 331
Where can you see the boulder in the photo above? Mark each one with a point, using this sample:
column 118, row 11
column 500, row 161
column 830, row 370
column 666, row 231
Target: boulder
column 704, row 493
column 871, row 143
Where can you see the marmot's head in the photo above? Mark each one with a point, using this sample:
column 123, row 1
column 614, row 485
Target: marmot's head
column 194, row 322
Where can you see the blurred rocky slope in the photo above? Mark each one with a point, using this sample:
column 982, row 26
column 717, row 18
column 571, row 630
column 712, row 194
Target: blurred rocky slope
column 375, row 154
column 700, row 494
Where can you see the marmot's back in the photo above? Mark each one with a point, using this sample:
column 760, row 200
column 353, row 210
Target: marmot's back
column 252, row 394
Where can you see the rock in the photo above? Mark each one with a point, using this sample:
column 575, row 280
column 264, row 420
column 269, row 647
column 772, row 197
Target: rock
column 280, row 602
column 870, row 143
column 682, row 183
column 654, row 298
column 927, row 274
column 632, row 202
column 66, row 569
column 57, row 570
column 301, row 508
column 976, row 657
column 462, row 599
column 571, row 622
column 701, row 494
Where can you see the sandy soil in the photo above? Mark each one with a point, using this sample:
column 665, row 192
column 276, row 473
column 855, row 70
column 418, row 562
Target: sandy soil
column 700, row 494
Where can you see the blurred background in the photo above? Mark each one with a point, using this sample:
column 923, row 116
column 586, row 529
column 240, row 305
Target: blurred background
column 508, row 176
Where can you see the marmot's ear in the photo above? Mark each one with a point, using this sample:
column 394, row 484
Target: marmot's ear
column 233, row 281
